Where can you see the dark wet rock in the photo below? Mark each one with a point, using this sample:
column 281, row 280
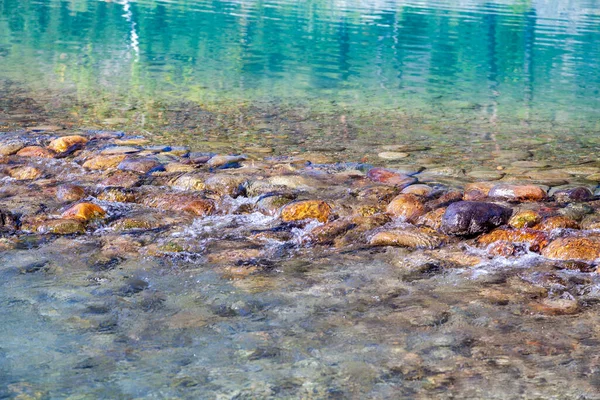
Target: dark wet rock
column 133, row 286
column 406, row 207
column 8, row 221
column 300, row 210
column 35, row 151
column 33, row 267
column 577, row 194
column 390, row 177
column 141, row 165
column 70, row 192
column 418, row 238
column 573, row 248
column 576, row 211
column 466, row 218
column 517, row 193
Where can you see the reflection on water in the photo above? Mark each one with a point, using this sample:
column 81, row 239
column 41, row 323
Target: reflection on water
column 540, row 56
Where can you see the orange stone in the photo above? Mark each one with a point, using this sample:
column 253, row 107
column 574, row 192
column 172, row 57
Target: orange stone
column 535, row 239
column 408, row 207
column 300, row 210
column 573, row 248
column 84, row 212
column 64, row 143
column 200, row 207
column 524, row 219
column 517, row 193
column 104, row 162
column 557, row 222
column 35, row 151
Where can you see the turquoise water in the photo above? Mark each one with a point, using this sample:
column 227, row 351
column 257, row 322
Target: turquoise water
column 530, row 59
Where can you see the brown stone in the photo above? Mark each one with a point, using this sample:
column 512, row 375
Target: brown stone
column 573, row 248
column 61, row 227
column 407, row 207
column 121, row 179
column 477, row 191
column 418, row 238
column 104, row 162
column 84, row 212
column 536, row 240
column 556, row 306
column 65, row 143
column 35, row 151
column 24, row 173
column 517, row 193
column 389, row 177
column 70, row 192
column 432, row 219
column 300, row 210
column 328, row 232
column 556, row 222
column 141, row 165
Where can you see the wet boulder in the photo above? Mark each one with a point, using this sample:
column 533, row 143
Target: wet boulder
column 577, row 194
column 524, row 219
column 326, row 233
column 407, row 207
column 141, row 165
column 67, row 143
column 573, row 248
column 517, row 193
column 70, row 192
column 299, row 210
column 84, row 212
column 416, row 238
column 535, row 240
column 103, row 162
column 477, row 191
column 23, row 173
column 10, row 147
column 467, row 218
column 557, row 222
column 35, row 151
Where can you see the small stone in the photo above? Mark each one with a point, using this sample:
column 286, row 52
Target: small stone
column 466, row 218
column 573, row 248
column 141, row 165
column 61, row 227
column 529, row 164
column 591, row 222
column 488, row 175
column 84, row 212
column 300, row 210
column 535, row 240
column 389, row 177
column 117, row 195
column 556, row 306
column 418, row 189
column 581, row 170
column 407, row 207
column 524, row 219
column 416, row 238
column 65, row 143
column 11, row 147
column 220, row 161
column 175, row 167
column 326, row 233
column 392, row 155
column 120, row 150
column 35, row 151
column 24, row 173
column 225, row 184
column 103, row 162
column 200, row 207
column 121, row 179
column 432, row 219
column 69, row 192
column 189, row 182
column 477, row 191
column 556, row 222
column 577, row 194
column 517, row 193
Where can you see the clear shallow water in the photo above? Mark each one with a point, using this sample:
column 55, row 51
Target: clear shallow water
column 525, row 59
column 481, row 83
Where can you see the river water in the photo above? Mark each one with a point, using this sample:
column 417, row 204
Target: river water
column 463, row 90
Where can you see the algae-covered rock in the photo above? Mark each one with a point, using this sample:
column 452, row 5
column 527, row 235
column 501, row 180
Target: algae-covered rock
column 524, row 219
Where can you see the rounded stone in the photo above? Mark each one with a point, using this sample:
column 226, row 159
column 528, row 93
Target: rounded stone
column 299, row 210
column 69, row 192
column 392, row 155
column 465, row 218
column 84, row 212
column 35, row 151
column 573, row 248
column 24, row 173
column 103, row 162
column 65, row 143
column 517, row 193
column 390, row 177
column 407, row 207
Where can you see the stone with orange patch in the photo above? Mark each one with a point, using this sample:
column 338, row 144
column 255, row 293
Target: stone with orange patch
column 65, row 143
column 316, row 209
column 35, row 151
column 84, row 212
column 536, row 240
column 407, row 207
column 573, row 248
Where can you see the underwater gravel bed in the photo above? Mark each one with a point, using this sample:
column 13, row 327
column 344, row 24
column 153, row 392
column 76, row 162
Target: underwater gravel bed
column 135, row 270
